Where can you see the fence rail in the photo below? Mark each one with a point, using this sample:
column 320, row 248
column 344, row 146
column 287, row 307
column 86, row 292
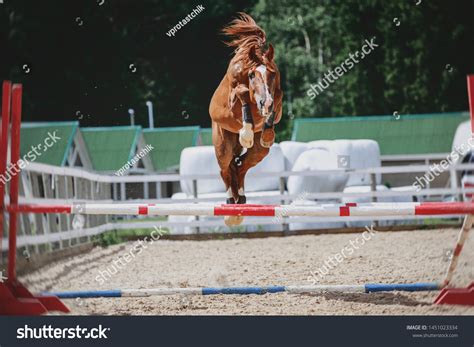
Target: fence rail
column 41, row 183
column 100, row 178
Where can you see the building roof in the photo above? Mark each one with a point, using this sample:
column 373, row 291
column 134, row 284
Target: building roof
column 110, row 148
column 33, row 136
column 168, row 143
column 409, row 134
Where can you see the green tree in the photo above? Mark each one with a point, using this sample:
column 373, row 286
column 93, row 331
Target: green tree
column 425, row 50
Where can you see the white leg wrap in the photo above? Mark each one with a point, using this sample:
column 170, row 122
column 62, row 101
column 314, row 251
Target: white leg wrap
column 246, row 135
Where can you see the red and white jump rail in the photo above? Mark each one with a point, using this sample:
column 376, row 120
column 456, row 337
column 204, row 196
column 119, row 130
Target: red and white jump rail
column 322, row 210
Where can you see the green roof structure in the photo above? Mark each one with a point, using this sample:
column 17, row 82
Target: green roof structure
column 168, row 144
column 409, row 134
column 34, row 140
column 206, row 137
column 110, row 148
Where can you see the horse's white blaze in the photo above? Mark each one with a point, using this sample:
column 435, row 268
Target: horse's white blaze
column 263, row 70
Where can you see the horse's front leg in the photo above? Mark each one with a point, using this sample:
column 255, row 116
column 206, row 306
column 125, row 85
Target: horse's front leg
column 268, row 133
column 246, row 133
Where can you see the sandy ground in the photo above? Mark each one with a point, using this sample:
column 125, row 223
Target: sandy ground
column 388, row 257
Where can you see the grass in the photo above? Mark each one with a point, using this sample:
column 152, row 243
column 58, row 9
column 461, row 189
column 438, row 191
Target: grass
column 115, row 237
column 441, row 221
column 148, row 219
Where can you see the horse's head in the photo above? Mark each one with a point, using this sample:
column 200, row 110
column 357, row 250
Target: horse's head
column 263, row 80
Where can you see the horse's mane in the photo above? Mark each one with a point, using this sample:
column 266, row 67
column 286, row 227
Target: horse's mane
column 244, row 35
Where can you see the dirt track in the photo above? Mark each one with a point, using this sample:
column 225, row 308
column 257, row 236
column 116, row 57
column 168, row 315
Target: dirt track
column 388, row 257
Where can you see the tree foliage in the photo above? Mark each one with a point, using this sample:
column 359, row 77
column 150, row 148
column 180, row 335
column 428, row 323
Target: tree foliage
column 425, row 51
column 100, row 60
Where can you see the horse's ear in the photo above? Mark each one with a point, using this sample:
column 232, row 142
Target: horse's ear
column 254, row 56
column 270, row 53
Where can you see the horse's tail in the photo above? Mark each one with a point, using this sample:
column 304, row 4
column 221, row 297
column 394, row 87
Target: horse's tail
column 242, row 29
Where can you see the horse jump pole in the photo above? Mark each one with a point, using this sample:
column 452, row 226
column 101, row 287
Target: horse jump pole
column 15, row 298
column 321, row 211
column 6, row 102
column 316, row 289
column 462, row 296
column 17, row 92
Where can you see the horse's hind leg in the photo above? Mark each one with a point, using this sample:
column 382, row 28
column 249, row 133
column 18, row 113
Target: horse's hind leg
column 234, row 173
column 225, row 144
column 247, row 161
column 240, row 174
column 232, row 193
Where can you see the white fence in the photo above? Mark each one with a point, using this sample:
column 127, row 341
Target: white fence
column 58, row 185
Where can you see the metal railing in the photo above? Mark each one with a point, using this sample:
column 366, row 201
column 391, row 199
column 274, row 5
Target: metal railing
column 91, row 181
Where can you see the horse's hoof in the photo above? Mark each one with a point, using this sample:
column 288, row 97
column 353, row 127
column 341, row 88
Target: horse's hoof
column 230, row 201
column 246, row 136
column 246, row 144
column 229, row 221
column 238, row 220
column 267, row 138
column 233, row 220
column 242, row 199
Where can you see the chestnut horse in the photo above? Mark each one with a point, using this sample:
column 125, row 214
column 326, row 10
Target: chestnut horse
column 244, row 108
